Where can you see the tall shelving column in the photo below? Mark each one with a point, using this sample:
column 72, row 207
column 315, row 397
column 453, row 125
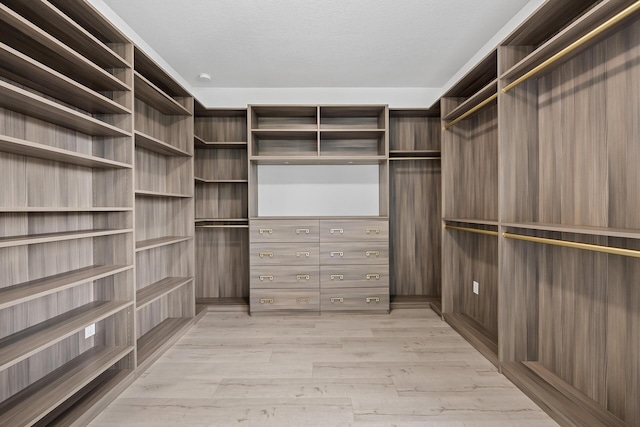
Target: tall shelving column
column 66, row 213
column 415, row 212
column 570, row 211
column 164, row 210
column 221, row 200
column 470, row 207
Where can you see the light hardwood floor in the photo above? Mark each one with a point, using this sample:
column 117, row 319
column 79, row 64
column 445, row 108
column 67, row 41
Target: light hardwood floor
column 404, row 369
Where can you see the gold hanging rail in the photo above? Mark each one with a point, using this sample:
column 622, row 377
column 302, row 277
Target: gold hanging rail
column 472, row 230
column 575, row 245
column 471, row 111
column 575, row 45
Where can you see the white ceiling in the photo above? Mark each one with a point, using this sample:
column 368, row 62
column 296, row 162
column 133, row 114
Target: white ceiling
column 316, row 43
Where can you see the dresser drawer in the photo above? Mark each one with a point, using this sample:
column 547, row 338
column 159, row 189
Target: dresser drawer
column 298, row 231
column 354, row 230
column 354, row 253
column 286, row 277
column 283, row 254
column 355, row 299
column 354, row 276
column 266, row 300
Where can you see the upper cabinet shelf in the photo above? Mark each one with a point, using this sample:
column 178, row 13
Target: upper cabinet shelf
column 283, row 117
column 157, row 98
column 482, row 98
column 353, row 118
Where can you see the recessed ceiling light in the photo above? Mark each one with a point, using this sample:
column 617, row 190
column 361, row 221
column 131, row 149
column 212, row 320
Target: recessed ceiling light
column 204, row 77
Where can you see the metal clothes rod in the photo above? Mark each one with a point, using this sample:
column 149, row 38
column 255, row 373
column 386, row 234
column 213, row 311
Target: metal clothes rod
column 472, row 230
column 471, row 111
column 575, row 245
column 576, row 44
column 413, row 158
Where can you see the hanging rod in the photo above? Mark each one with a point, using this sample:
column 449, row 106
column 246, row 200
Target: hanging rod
column 414, row 158
column 472, row 230
column 576, row 44
column 471, row 111
column 222, row 226
column 575, row 245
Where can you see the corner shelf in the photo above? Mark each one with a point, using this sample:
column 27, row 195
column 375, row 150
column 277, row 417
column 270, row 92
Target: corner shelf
column 157, row 290
column 155, row 97
column 34, row 289
column 45, row 152
column 34, row 402
column 21, row 345
column 150, row 143
column 149, row 193
column 33, row 239
column 145, row 245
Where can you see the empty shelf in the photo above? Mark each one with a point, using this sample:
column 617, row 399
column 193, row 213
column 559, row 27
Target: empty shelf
column 157, row 290
column 159, row 339
column 144, row 245
column 33, row 239
column 149, row 193
column 156, row 98
column 154, row 144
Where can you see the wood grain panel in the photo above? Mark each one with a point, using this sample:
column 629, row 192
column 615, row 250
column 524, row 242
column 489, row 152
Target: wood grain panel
column 160, row 217
column 409, row 133
column 221, row 200
column 221, row 163
column 221, row 128
column 414, row 228
column 222, row 263
column 174, row 130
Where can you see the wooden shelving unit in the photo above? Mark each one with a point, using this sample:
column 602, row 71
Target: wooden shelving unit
column 415, row 207
column 222, row 236
column 66, row 161
column 164, row 209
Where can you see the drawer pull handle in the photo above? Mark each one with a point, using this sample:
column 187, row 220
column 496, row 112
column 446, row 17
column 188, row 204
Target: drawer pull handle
column 307, row 254
column 306, row 300
column 373, row 276
column 374, row 253
column 266, row 300
column 303, row 276
column 372, row 230
column 266, row 231
column 302, row 230
column 266, row 277
column 374, row 299
column 337, row 253
column 337, row 230
column 264, row 254
column 337, row 276
column 340, row 300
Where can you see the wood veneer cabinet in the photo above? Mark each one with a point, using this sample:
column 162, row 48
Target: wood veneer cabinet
column 164, row 210
column 415, row 206
column 66, row 213
column 290, row 256
column 221, row 201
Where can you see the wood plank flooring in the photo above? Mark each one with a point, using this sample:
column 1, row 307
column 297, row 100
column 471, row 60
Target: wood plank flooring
column 408, row 368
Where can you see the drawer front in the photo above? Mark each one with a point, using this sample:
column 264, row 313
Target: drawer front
column 266, row 300
column 354, row 276
column 354, row 230
column 287, row 277
column 297, row 231
column 354, row 253
column 283, row 254
column 355, row 299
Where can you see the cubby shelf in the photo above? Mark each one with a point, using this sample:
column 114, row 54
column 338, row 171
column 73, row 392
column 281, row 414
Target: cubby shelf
column 21, row 345
column 150, row 143
column 33, row 239
column 149, row 193
column 38, row 288
column 33, row 149
column 84, row 69
column 220, row 181
column 145, row 245
column 200, row 143
column 160, row 337
column 22, row 101
column 27, row 71
column 34, row 402
column 156, row 97
column 157, row 290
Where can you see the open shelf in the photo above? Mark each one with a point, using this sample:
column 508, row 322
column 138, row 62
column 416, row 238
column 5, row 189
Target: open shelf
column 414, row 153
column 352, row 118
column 38, row 288
column 25, row 70
column 221, row 220
column 318, row 160
column 593, row 231
column 36, row 401
column 69, row 32
column 64, row 209
column 157, row 290
column 32, row 239
column 21, row 345
column 27, row 103
column 202, row 144
column 160, row 338
column 148, row 193
column 473, row 221
column 220, row 181
column 145, row 245
column 154, row 73
column 473, row 101
column 154, row 144
column 156, row 98
column 82, row 68
column 46, row 152
column 482, row 339
column 560, row 400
